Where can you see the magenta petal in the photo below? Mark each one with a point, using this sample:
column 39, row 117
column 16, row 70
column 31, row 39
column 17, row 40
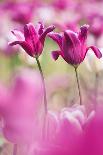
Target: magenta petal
column 71, row 39
column 55, row 55
column 14, row 43
column 71, row 44
column 83, row 33
column 47, row 30
column 96, row 51
column 56, row 37
column 40, row 28
column 24, row 45
column 30, row 34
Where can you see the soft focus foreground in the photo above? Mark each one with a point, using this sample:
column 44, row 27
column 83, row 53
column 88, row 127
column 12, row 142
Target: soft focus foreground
column 50, row 106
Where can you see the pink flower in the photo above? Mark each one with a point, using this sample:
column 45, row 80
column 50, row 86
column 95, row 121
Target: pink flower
column 93, row 135
column 72, row 45
column 62, row 4
column 21, row 12
column 66, row 135
column 96, row 22
column 19, row 106
column 32, row 40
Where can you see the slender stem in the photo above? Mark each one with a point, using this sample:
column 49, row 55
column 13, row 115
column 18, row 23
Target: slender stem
column 45, row 99
column 78, row 84
column 15, row 149
column 43, row 81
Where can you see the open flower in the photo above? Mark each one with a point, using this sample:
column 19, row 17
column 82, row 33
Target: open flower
column 32, row 40
column 72, row 45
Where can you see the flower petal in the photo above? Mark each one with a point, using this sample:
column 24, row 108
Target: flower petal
column 56, row 37
column 24, row 45
column 55, row 55
column 30, row 34
column 96, row 51
column 40, row 28
column 46, row 31
column 83, row 33
column 71, row 39
column 71, row 47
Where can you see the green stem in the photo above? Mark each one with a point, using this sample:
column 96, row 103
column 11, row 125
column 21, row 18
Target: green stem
column 45, row 99
column 43, row 82
column 78, row 84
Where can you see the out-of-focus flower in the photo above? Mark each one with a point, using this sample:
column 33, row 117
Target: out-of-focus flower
column 19, row 106
column 88, row 8
column 72, row 45
column 32, row 40
column 62, row 4
column 93, row 135
column 7, row 5
column 68, row 133
column 96, row 24
column 21, row 12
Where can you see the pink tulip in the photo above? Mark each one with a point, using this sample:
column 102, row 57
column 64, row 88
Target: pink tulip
column 93, row 135
column 19, row 108
column 72, row 45
column 20, row 12
column 67, row 133
column 96, row 22
column 62, row 4
column 32, row 40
